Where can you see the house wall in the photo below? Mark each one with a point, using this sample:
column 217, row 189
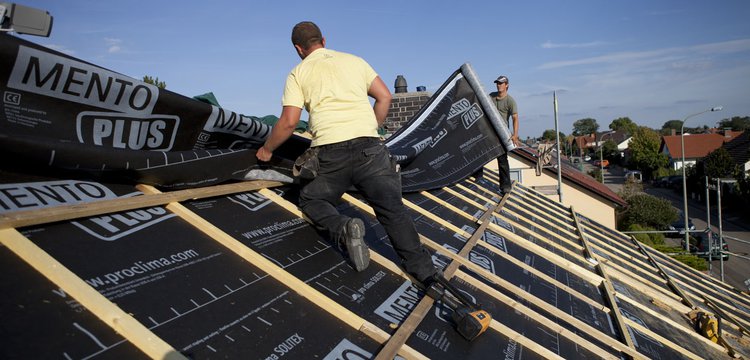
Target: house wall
column 581, row 199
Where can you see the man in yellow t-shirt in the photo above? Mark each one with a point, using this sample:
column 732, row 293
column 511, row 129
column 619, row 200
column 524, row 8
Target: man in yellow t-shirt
column 334, row 88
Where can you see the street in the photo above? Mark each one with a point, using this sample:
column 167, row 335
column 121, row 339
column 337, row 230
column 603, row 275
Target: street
column 737, row 268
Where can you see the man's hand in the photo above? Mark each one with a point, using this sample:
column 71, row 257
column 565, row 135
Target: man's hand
column 515, row 140
column 263, row 155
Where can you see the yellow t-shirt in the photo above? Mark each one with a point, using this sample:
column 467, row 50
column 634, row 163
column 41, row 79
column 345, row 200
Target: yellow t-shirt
column 332, row 86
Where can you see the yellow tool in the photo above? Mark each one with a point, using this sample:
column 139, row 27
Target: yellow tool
column 470, row 321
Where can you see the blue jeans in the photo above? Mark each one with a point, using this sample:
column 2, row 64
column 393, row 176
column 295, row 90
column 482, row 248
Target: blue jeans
column 366, row 164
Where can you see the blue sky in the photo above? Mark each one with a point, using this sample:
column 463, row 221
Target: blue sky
column 652, row 61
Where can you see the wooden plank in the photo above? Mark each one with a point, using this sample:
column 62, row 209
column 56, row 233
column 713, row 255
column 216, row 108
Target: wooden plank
column 670, row 283
column 649, row 289
column 663, row 340
column 541, row 200
column 88, row 297
column 281, row 275
column 542, row 239
column 569, row 266
column 449, row 206
column 707, row 280
column 547, row 228
column 440, row 221
column 366, row 328
column 559, row 219
column 553, row 325
column 609, row 291
column 69, row 212
column 406, row 329
column 724, row 315
column 689, row 331
column 528, row 268
column 464, row 198
column 492, row 277
column 472, row 192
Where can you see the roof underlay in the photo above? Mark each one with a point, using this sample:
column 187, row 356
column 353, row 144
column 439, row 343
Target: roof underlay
column 235, row 270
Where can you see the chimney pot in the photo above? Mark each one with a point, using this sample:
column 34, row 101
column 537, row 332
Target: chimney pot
column 400, row 84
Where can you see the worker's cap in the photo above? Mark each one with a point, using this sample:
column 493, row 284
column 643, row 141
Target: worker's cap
column 501, row 79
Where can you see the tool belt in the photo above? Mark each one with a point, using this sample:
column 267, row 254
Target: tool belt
column 307, row 165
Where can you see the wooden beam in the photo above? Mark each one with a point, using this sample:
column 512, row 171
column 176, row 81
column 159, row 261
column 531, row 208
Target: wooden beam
column 406, row 329
column 278, row 273
column 663, row 340
column 366, row 327
column 609, row 291
column 552, row 325
column 69, row 212
column 465, row 198
column 506, row 285
column 119, row 320
column 666, row 276
column 550, row 256
column 689, row 331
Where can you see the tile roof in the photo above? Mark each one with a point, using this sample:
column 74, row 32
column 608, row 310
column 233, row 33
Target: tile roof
column 739, row 148
column 696, row 145
column 572, row 174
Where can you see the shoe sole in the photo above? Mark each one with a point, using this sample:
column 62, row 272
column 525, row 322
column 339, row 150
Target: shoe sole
column 358, row 251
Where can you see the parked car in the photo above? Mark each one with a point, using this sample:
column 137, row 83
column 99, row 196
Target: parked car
column 587, row 158
column 635, row 175
column 661, row 182
column 699, row 246
column 674, row 182
column 602, row 163
column 679, row 225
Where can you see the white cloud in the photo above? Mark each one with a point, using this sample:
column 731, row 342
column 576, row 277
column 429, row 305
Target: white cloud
column 551, row 45
column 113, row 45
column 656, row 56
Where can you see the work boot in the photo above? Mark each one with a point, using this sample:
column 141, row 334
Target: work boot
column 354, row 240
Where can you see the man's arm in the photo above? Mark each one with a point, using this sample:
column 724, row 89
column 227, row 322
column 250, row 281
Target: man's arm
column 382, row 96
column 515, row 130
column 280, row 133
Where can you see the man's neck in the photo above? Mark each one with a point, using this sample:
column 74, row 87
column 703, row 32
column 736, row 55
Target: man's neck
column 501, row 95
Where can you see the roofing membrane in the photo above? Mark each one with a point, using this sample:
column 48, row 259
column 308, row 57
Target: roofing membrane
column 244, row 274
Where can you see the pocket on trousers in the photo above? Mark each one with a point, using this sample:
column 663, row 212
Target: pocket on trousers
column 307, row 165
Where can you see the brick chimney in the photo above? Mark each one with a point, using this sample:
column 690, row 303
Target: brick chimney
column 404, row 105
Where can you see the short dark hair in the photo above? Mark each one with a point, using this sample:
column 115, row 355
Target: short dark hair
column 306, row 34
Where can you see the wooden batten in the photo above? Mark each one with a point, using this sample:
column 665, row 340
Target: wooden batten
column 69, row 212
column 119, row 320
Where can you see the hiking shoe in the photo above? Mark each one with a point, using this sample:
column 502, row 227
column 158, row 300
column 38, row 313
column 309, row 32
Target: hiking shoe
column 354, row 239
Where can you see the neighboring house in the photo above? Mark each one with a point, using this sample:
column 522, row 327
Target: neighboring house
column 588, row 196
column 739, row 149
column 591, row 142
column 697, row 146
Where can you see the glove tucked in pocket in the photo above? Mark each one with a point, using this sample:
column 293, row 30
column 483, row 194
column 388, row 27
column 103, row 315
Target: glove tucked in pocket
column 307, row 165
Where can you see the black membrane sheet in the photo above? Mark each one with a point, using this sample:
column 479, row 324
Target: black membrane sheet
column 189, row 290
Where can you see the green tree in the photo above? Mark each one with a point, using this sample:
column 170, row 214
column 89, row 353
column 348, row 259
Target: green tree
column 549, row 135
column 647, row 210
column 610, row 151
column 585, row 127
column 154, row 81
column 736, row 123
column 718, row 164
column 644, row 152
column 670, row 125
column 624, row 124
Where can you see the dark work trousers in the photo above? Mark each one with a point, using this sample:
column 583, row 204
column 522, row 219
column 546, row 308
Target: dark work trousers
column 365, row 163
column 503, row 172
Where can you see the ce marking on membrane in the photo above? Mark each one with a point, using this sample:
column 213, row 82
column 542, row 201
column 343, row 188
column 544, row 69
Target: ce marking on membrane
column 12, row 98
